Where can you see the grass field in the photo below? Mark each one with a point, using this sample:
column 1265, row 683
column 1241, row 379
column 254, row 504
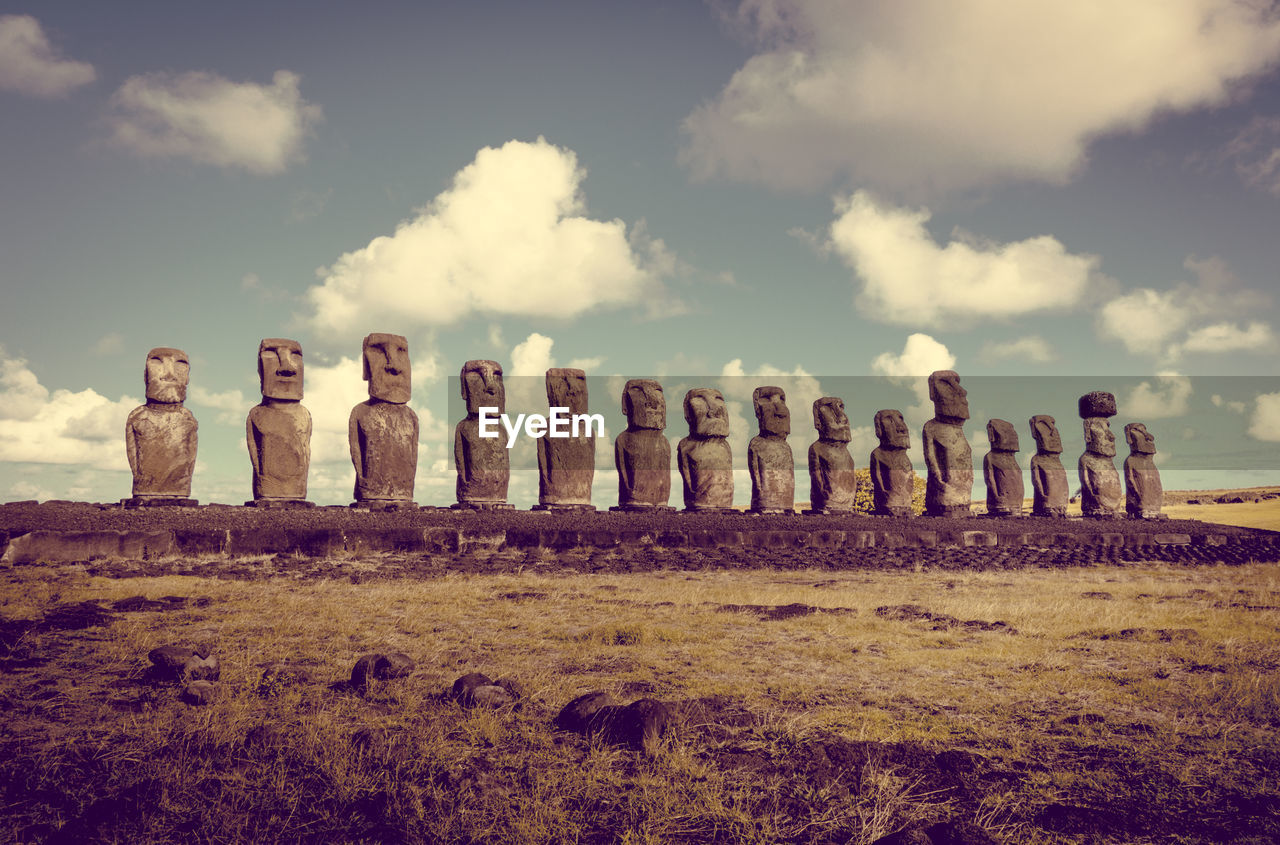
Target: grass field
column 1120, row 704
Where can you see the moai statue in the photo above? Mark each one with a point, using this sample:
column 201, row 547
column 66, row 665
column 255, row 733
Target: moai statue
column 1100, row 494
column 769, row 460
column 278, row 430
column 893, row 479
column 383, row 431
column 706, row 462
column 1049, row 487
column 160, row 436
column 947, row 454
column 1144, row 494
column 642, row 453
column 832, row 483
column 1001, row 472
column 566, row 465
column 484, row 464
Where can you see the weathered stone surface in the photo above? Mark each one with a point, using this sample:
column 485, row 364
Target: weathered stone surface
column 1100, row 492
column 1049, row 486
column 832, row 484
column 491, row 695
column 464, row 688
column 567, row 465
column 383, row 431
column 580, row 714
column 160, row 436
column 380, row 667
column 169, row 660
column 278, row 431
column 893, row 478
column 199, row 693
column 769, row 460
column 69, row 546
column 202, row 668
column 1001, row 472
column 1144, row 493
column 483, row 463
column 642, row 453
column 704, row 457
column 947, row 454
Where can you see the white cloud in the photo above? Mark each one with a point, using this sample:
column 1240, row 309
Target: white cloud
column 59, row 427
column 232, row 405
column 510, row 236
column 943, row 94
column 111, row 343
column 587, row 365
column 1230, row 405
column 532, row 356
column 1264, row 424
column 920, row 356
column 1188, row 317
column 212, row 120
column 30, row 65
column 1167, row 396
column 1255, row 152
column 908, row 279
column 1031, row 349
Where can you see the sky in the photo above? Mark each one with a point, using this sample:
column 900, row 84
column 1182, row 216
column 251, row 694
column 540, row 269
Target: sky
column 835, row 198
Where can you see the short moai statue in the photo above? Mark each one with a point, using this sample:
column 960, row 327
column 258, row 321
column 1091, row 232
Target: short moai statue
column 1144, row 494
column 642, row 453
column 1100, row 492
column 483, row 463
column 947, row 454
column 1001, row 472
column 160, row 436
column 1049, row 486
column 832, row 483
column 567, row 465
column 383, row 431
column 278, row 430
column 769, row 460
column 704, row 457
column 893, row 479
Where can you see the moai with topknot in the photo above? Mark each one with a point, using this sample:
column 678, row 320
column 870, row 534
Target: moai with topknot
column 893, row 479
column 832, row 483
column 1144, row 494
column 769, row 460
column 483, row 463
column 704, row 457
column 1049, row 486
column 278, row 430
column 160, row 436
column 642, row 453
column 566, row 465
column 1100, row 493
column 1001, row 472
column 383, row 431
column 947, row 454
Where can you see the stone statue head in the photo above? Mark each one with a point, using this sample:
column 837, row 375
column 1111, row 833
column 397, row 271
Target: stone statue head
column 1141, row 441
column 567, row 388
column 1045, row 432
column 705, row 412
column 830, row 419
column 1098, row 438
column 949, row 398
column 482, row 386
column 167, row 374
column 644, row 404
column 892, row 430
column 386, row 367
column 771, row 411
column 280, row 368
column 1098, row 403
column 1003, row 436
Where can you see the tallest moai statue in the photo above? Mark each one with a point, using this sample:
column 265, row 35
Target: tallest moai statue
column 1100, row 493
column 947, row 453
column 160, row 436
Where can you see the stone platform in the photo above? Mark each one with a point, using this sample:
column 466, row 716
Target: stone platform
column 61, row 532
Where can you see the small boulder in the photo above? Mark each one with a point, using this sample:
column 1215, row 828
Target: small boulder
column 512, row 686
column 464, row 688
column 199, row 693
column 491, row 695
column 578, row 715
column 394, row 664
column 646, row 722
column 169, row 660
column 201, row 668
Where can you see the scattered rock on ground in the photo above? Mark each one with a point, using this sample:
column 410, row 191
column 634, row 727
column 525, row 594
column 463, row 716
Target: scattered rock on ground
column 199, row 693
column 381, row 667
column 577, row 715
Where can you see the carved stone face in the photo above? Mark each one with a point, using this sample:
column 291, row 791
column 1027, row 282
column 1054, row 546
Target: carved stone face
column 167, row 375
column 644, row 404
column 386, row 367
column 771, row 411
column 280, row 368
column 949, row 398
column 891, row 428
column 1003, row 436
column 1098, row 437
column 482, row 386
column 567, row 388
column 830, row 419
column 705, row 412
column 1141, row 441
column 1045, row 432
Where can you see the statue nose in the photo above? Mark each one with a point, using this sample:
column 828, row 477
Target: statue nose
column 286, row 372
